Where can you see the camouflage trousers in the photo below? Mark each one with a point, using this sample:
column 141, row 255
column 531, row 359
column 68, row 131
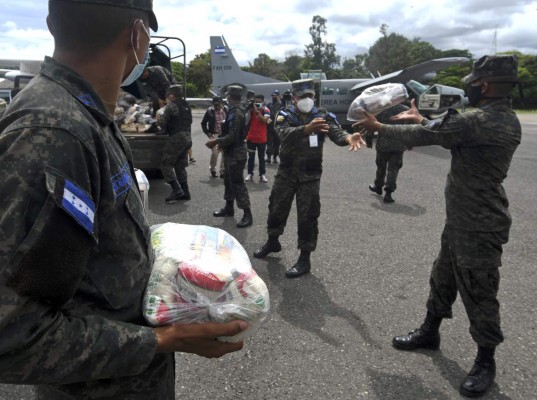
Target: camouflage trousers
column 391, row 161
column 468, row 264
column 273, row 143
column 234, row 186
column 308, row 206
column 175, row 159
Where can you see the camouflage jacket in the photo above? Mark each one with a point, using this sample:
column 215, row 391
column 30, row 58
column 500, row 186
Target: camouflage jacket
column 232, row 139
column 177, row 119
column 389, row 143
column 299, row 160
column 158, row 81
column 482, row 144
column 75, row 253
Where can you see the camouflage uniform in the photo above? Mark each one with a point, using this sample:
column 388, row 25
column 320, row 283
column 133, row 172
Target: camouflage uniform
column 273, row 140
column 158, row 81
column 389, row 153
column 231, row 141
column 75, row 253
column 176, row 122
column 299, row 174
column 482, row 143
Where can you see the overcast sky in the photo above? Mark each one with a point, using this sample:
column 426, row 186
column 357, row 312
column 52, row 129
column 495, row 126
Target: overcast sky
column 279, row 28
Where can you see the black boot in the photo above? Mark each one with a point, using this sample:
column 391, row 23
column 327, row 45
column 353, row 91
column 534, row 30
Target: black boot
column 186, row 192
column 176, row 194
column 482, row 374
column 375, row 189
column 425, row 337
column 227, row 211
column 301, row 267
column 388, row 197
column 275, row 160
column 272, row 245
column 247, row 219
column 268, row 160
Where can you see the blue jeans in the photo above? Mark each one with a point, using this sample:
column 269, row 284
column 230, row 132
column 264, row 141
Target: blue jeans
column 252, row 147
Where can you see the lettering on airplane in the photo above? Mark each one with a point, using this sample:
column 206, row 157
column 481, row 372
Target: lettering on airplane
column 222, row 68
column 330, row 102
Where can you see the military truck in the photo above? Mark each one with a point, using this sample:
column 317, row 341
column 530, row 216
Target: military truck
column 147, row 146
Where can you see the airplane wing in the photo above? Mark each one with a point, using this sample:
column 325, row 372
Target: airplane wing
column 11, row 68
column 414, row 72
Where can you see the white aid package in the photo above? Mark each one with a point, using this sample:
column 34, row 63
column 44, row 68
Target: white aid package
column 202, row 274
column 377, row 99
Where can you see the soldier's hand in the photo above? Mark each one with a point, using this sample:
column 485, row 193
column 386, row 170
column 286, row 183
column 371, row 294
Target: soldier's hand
column 211, row 143
column 412, row 114
column 369, row 123
column 317, row 125
column 355, row 141
column 200, row 339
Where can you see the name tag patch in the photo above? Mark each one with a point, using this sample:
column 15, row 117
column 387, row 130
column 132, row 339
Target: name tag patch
column 122, row 181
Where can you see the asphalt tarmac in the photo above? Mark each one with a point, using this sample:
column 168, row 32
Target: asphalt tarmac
column 329, row 333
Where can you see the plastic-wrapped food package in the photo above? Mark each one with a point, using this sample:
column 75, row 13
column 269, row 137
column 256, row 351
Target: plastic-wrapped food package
column 202, row 274
column 376, row 99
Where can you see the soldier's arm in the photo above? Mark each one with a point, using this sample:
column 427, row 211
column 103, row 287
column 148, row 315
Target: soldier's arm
column 453, row 130
column 43, row 257
column 166, row 117
column 235, row 131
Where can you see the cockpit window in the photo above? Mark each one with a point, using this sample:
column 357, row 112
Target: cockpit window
column 416, row 87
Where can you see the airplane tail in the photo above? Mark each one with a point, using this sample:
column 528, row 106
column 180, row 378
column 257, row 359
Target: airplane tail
column 226, row 70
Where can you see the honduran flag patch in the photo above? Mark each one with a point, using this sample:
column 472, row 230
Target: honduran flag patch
column 79, row 205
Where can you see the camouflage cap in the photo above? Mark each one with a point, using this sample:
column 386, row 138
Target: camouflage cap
column 217, row 100
column 250, row 94
column 176, row 90
column 234, row 90
column 145, row 5
column 303, row 86
column 494, row 69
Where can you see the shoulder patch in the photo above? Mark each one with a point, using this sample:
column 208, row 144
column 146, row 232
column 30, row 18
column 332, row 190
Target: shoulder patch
column 77, row 203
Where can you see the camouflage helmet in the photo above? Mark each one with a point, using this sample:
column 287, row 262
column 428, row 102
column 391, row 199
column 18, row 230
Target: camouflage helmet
column 176, row 90
column 494, row 69
column 144, row 5
column 302, row 87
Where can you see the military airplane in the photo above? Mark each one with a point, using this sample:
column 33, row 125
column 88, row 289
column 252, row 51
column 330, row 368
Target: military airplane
column 336, row 95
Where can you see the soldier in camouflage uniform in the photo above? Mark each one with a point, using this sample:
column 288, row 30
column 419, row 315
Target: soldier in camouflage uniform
column 156, row 81
column 482, row 143
column 302, row 129
column 176, row 122
column 273, row 140
column 389, row 156
column 232, row 143
column 75, row 253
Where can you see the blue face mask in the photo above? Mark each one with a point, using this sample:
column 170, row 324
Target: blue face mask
column 139, row 67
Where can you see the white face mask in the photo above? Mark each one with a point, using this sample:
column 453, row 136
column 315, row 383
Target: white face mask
column 305, row 105
column 138, row 69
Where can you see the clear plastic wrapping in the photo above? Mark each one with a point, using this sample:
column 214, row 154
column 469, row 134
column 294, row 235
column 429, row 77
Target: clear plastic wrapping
column 376, row 99
column 202, row 274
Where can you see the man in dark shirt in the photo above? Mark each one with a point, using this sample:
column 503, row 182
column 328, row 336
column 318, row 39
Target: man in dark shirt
column 482, row 143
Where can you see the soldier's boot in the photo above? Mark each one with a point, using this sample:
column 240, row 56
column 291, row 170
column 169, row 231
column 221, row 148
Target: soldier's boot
column 427, row 336
column 227, row 211
column 268, row 160
column 247, row 219
column 301, row 267
column 186, row 195
column 176, row 194
column 275, row 160
column 375, row 189
column 482, row 374
column 388, row 197
column 272, row 245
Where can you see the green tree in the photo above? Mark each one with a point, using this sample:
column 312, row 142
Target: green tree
column 292, row 66
column 423, row 51
column 389, row 53
column 320, row 54
column 199, row 76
